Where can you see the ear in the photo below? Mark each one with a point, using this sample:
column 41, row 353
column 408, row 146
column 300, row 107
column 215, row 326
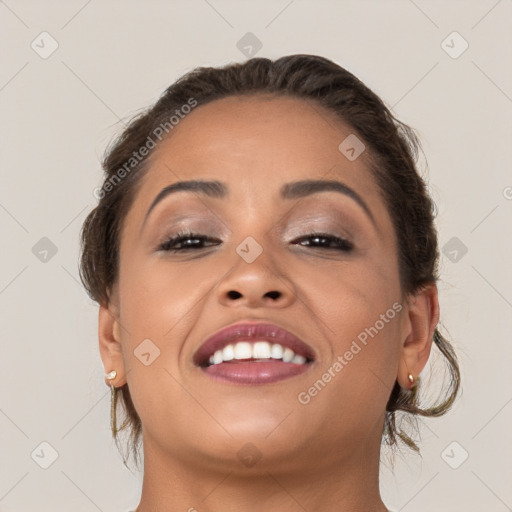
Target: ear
column 109, row 332
column 422, row 318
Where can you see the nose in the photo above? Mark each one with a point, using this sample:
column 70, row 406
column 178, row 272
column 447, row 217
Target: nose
column 261, row 283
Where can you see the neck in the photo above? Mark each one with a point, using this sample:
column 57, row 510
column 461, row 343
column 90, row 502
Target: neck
column 348, row 483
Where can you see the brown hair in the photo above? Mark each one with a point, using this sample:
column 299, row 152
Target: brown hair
column 393, row 150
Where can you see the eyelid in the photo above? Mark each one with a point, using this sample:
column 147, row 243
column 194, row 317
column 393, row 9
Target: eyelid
column 321, row 228
column 171, row 225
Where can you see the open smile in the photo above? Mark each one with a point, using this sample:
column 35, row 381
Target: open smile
column 254, row 353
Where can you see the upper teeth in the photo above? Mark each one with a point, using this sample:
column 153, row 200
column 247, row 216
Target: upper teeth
column 256, row 350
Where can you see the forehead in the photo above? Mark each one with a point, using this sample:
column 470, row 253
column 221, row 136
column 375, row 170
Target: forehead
column 249, row 140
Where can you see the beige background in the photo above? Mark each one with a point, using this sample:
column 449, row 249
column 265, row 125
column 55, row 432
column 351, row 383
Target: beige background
column 114, row 58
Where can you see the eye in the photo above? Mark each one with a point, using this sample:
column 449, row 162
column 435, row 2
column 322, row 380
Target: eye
column 185, row 242
column 326, row 241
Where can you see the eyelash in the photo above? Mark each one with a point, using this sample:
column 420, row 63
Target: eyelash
column 342, row 244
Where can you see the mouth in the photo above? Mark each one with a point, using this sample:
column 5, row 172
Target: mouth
column 253, row 353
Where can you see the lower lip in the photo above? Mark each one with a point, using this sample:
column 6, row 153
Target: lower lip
column 255, row 372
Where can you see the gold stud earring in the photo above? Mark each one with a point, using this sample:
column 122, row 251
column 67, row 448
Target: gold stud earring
column 414, row 381
column 111, row 375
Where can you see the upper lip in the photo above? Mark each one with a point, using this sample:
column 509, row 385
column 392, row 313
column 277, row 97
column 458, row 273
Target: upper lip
column 250, row 331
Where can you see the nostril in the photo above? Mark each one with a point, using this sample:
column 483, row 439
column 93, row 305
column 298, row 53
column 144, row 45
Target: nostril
column 234, row 294
column 273, row 295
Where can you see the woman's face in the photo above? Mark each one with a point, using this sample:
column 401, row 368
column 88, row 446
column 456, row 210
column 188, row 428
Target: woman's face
column 344, row 304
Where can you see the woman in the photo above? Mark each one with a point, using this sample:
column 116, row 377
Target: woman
column 265, row 261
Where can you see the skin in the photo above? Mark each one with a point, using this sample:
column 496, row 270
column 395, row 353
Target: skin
column 323, row 455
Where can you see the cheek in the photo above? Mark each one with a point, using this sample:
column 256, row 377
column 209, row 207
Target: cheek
column 161, row 302
column 353, row 382
column 347, row 297
column 156, row 294
column 158, row 309
column 357, row 308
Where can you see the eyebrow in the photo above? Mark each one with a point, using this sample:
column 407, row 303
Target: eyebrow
column 293, row 190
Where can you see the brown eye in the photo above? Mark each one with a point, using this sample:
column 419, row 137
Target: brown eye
column 326, row 241
column 186, row 241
